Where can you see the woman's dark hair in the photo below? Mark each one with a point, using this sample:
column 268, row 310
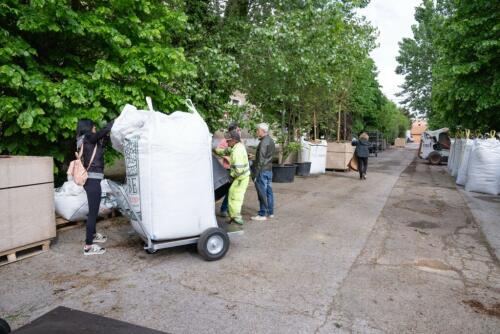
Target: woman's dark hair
column 232, row 126
column 84, row 127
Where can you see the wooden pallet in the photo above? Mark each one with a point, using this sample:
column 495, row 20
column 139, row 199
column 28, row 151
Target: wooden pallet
column 24, row 252
column 63, row 224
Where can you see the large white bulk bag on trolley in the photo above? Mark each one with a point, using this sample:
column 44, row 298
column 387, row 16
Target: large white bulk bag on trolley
column 483, row 173
column 168, row 162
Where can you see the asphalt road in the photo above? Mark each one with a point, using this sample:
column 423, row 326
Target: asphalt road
column 387, row 255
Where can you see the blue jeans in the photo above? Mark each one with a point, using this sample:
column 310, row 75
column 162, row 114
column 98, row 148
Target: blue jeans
column 263, row 184
column 225, row 204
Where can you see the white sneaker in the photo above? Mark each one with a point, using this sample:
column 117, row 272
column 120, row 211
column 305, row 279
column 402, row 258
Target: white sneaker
column 94, row 250
column 99, row 238
column 271, row 216
column 259, row 218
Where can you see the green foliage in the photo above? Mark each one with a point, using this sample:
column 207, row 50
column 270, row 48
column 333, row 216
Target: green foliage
column 466, row 86
column 299, row 62
column 61, row 61
column 451, row 64
column 416, row 58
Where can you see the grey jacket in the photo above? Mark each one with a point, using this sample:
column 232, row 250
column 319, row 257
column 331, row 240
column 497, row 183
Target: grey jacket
column 362, row 148
column 264, row 156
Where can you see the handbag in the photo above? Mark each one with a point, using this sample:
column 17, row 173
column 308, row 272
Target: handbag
column 353, row 163
column 76, row 168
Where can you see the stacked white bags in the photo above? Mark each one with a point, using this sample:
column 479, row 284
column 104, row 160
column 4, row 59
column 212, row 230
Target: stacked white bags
column 449, row 164
column 71, row 201
column 464, row 164
column 168, row 161
column 483, row 172
column 458, row 150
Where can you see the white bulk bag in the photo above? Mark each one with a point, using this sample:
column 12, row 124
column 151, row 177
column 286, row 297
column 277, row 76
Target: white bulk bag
column 457, row 157
column 464, row 164
column 70, row 201
column 168, row 162
column 449, row 164
column 483, row 174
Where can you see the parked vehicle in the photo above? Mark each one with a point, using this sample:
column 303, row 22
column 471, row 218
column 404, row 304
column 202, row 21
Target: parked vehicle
column 435, row 146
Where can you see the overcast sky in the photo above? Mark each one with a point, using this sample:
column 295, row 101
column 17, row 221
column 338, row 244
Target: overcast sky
column 393, row 19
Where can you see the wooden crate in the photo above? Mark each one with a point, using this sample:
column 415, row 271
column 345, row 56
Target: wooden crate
column 400, row 142
column 338, row 155
column 24, row 252
column 26, row 202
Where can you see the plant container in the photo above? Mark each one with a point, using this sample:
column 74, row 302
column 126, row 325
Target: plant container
column 284, row 173
column 303, row 168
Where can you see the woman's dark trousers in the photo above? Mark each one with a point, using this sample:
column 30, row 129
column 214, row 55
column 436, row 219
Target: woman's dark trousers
column 93, row 189
column 363, row 165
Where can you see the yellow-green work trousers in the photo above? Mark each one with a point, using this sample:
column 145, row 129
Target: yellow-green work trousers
column 237, row 195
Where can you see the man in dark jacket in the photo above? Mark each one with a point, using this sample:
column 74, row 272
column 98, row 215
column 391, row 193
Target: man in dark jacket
column 263, row 173
column 362, row 152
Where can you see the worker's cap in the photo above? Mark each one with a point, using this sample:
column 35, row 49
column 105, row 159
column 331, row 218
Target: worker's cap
column 233, row 134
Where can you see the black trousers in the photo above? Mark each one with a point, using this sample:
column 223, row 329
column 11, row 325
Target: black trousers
column 362, row 166
column 93, row 189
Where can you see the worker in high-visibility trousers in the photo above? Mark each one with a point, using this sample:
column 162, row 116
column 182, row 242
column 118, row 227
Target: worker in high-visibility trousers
column 240, row 173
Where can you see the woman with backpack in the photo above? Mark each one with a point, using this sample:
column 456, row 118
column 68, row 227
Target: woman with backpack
column 90, row 145
column 362, row 152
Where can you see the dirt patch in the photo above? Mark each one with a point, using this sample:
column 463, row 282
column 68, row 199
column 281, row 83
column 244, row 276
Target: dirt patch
column 433, row 264
column 423, row 224
column 79, row 280
column 479, row 307
column 433, row 207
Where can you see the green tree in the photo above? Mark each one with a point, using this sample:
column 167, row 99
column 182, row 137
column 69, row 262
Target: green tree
column 466, row 83
column 416, row 58
column 61, row 61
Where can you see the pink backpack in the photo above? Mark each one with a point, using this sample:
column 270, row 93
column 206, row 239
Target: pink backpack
column 76, row 169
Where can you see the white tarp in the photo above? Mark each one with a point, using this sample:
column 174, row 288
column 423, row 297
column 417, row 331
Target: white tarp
column 70, row 201
column 464, row 164
column 483, row 173
column 168, row 162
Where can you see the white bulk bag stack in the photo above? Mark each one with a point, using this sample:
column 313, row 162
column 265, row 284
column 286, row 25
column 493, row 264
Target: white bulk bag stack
column 449, row 164
column 457, row 157
column 464, row 164
column 168, row 162
column 483, row 174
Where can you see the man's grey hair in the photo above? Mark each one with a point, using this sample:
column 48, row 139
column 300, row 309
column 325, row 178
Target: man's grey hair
column 264, row 127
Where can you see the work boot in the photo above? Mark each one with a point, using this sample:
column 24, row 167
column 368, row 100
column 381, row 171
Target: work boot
column 223, row 214
column 238, row 220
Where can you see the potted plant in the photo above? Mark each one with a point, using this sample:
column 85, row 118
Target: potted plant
column 285, row 173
